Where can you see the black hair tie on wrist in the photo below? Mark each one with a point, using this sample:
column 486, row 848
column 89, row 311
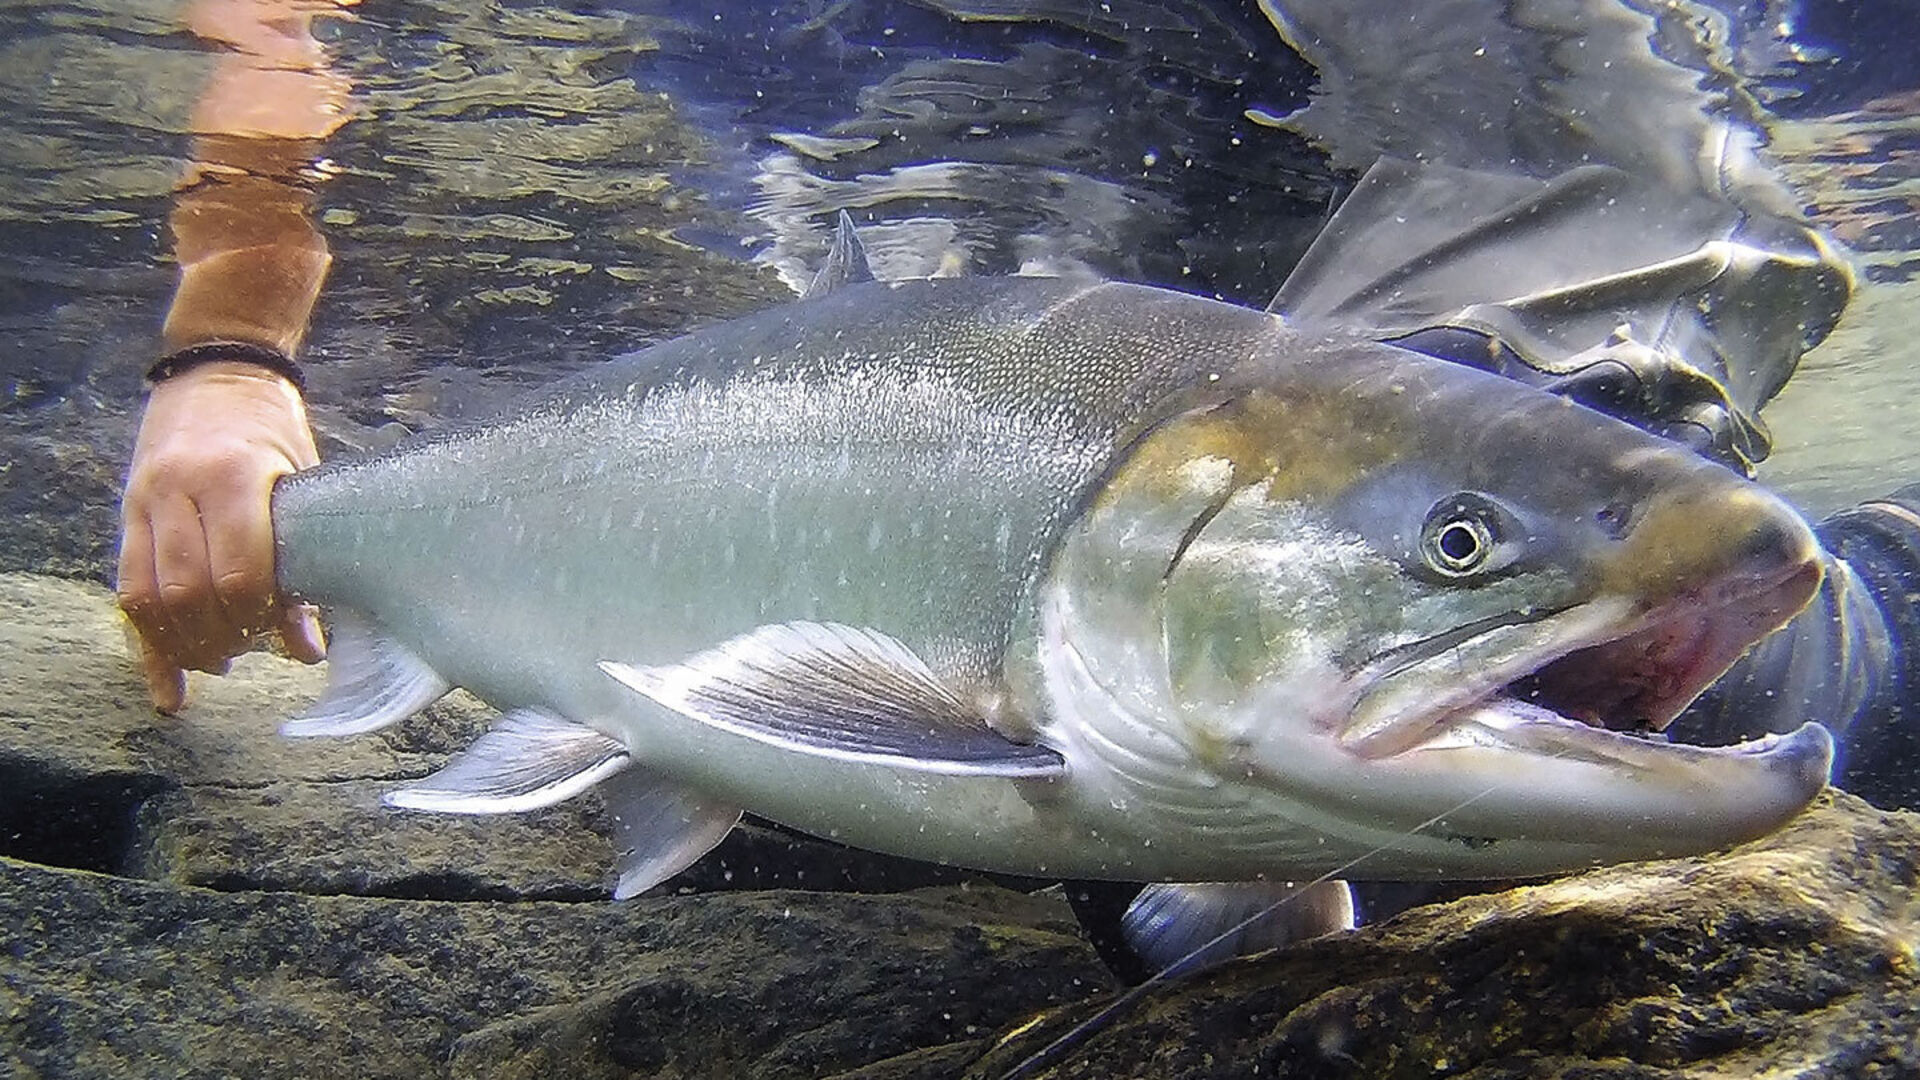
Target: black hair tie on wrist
column 244, row 351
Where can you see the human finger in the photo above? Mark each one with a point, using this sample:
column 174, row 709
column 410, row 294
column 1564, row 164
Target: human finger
column 300, row 633
column 138, row 591
column 136, row 588
column 237, row 524
column 166, row 682
column 194, row 630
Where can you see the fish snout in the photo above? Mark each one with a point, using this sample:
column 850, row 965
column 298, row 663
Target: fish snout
column 1778, row 544
column 1719, row 543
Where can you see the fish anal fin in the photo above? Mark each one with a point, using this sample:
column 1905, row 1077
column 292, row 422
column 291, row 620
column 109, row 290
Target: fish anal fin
column 372, row 681
column 660, row 828
column 842, row 692
column 1192, row 927
column 527, row 761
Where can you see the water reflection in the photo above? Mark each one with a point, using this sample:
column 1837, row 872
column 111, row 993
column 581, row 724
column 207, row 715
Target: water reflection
column 251, row 259
column 1861, row 173
column 987, row 138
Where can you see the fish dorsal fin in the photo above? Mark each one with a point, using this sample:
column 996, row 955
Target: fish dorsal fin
column 527, row 761
column 660, row 828
column 846, row 261
column 372, row 681
column 841, row 692
column 1169, row 925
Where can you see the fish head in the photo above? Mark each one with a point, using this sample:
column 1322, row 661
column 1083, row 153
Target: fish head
column 1435, row 613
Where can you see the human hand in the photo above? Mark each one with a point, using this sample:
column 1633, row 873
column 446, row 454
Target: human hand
column 196, row 545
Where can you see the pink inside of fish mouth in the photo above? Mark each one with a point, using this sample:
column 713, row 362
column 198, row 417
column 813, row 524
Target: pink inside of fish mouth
column 1640, row 682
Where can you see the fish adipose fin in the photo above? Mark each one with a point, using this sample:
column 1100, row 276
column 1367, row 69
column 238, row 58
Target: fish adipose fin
column 839, row 692
column 1172, row 926
column 528, row 761
column 372, row 682
column 660, row 828
column 846, row 261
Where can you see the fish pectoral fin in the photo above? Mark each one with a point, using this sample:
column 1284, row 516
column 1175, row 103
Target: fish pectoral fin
column 372, row 681
column 1194, row 927
column 839, row 692
column 846, row 261
column 527, row 761
column 660, row 828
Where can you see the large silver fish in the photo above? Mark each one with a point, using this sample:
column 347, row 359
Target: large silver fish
column 1056, row 578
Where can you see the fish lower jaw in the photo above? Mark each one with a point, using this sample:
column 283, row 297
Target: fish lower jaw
column 1505, row 769
column 1508, row 722
column 1506, row 788
column 1633, row 739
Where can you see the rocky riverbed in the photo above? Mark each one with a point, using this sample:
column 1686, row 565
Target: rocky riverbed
column 198, row 897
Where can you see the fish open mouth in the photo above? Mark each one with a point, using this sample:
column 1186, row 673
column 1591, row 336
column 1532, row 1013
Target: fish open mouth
column 1599, row 665
column 1640, row 682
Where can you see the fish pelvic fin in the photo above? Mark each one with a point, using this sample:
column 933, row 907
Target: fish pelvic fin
column 1194, row 927
column 846, row 261
column 372, row 682
column 841, row 692
column 660, row 828
column 528, row 761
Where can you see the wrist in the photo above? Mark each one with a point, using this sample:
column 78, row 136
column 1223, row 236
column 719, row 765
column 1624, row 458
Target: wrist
column 221, row 403
column 228, row 355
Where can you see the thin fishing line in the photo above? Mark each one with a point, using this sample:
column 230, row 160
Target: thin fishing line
column 1049, row 1054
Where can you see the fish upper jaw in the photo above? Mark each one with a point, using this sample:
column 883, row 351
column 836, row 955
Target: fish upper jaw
column 1410, row 695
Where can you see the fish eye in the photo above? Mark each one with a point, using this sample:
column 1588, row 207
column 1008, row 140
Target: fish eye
column 1460, row 536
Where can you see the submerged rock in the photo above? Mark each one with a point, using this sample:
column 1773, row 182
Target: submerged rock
column 111, row 977
column 97, row 781
column 1792, row 956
